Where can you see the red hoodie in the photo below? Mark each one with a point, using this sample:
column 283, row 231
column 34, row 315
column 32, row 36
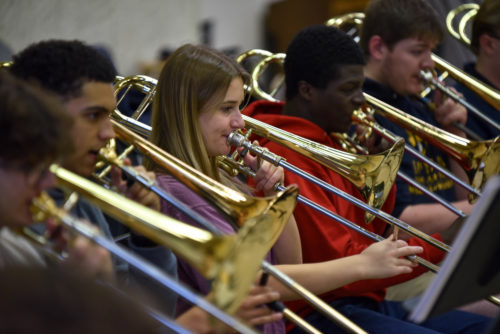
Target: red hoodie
column 322, row 238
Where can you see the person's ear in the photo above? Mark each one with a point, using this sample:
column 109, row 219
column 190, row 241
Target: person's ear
column 486, row 44
column 306, row 91
column 377, row 47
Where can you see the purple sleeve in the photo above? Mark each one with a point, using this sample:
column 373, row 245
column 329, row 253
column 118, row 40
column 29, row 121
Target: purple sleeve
column 187, row 274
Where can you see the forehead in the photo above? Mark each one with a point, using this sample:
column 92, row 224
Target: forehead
column 235, row 90
column 93, row 95
column 349, row 73
column 421, row 42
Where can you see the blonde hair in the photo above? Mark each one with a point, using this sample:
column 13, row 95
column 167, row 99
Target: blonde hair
column 193, row 80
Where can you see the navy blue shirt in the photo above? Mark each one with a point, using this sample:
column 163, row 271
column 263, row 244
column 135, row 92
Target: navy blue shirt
column 474, row 123
column 414, row 168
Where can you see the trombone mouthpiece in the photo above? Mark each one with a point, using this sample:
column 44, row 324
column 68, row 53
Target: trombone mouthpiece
column 426, row 75
column 236, row 139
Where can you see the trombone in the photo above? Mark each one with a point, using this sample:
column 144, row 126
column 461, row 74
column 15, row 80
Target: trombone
column 277, row 214
column 277, row 211
column 211, row 247
column 373, row 175
column 176, row 167
column 481, row 156
column 222, row 259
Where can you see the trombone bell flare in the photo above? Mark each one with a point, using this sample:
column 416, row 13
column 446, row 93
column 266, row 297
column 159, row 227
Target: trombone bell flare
column 488, row 167
column 373, row 175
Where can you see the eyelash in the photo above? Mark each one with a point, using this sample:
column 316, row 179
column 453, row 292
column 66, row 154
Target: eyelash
column 228, row 109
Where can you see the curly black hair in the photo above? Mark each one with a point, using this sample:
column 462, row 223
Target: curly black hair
column 62, row 66
column 315, row 54
column 34, row 127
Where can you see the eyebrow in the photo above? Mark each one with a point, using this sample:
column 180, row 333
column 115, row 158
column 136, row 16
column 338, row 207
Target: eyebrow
column 230, row 102
column 97, row 109
column 422, row 43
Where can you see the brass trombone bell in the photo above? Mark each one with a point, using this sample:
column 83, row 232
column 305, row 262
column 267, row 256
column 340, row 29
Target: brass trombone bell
column 479, row 156
column 373, row 175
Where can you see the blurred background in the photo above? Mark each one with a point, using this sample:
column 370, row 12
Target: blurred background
column 137, row 35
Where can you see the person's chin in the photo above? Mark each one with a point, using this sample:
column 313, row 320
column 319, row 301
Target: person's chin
column 344, row 127
column 224, row 152
column 85, row 171
column 415, row 88
column 23, row 219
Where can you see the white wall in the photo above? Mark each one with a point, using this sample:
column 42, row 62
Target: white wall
column 133, row 29
column 237, row 23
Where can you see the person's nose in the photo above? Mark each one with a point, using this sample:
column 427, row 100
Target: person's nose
column 106, row 131
column 358, row 99
column 47, row 180
column 427, row 62
column 237, row 121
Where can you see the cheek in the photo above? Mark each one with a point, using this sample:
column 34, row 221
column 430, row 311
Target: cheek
column 338, row 106
column 205, row 131
column 82, row 135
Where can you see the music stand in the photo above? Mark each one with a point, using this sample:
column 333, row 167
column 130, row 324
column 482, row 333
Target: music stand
column 471, row 271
